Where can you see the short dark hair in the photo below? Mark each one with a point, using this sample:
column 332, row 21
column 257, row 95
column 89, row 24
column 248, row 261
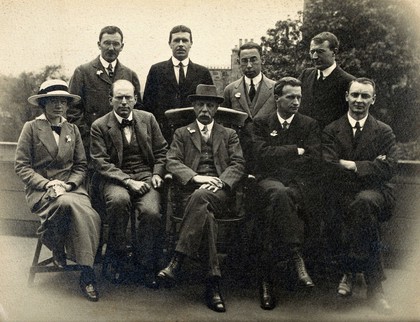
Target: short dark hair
column 110, row 30
column 180, row 28
column 363, row 80
column 291, row 81
column 329, row 36
column 250, row 45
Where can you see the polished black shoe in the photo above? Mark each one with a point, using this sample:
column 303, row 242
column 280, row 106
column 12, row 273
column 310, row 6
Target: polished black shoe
column 345, row 287
column 214, row 298
column 267, row 300
column 59, row 258
column 303, row 277
column 89, row 291
column 168, row 274
column 378, row 302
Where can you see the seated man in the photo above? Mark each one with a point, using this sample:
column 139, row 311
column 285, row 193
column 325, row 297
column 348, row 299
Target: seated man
column 361, row 154
column 207, row 160
column 128, row 152
column 288, row 146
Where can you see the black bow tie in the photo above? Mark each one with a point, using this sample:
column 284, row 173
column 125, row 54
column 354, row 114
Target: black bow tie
column 125, row 123
column 56, row 129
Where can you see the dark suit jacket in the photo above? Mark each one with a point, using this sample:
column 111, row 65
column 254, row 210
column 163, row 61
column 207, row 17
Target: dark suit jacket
column 107, row 145
column 39, row 159
column 91, row 82
column 376, row 139
column 237, row 98
column 277, row 150
column 184, row 155
column 163, row 93
column 328, row 105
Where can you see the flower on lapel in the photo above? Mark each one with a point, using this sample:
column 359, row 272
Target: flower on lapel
column 190, row 130
column 68, row 138
column 238, row 95
column 99, row 72
column 274, row 133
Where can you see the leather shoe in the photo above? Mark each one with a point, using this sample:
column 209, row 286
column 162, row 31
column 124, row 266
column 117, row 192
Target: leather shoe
column 267, row 301
column 168, row 274
column 303, row 277
column 214, row 298
column 59, row 259
column 89, row 291
column 379, row 303
column 345, row 287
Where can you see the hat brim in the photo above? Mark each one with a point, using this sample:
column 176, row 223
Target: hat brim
column 34, row 98
column 217, row 99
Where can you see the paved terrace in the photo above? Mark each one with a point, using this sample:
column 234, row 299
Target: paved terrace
column 56, row 297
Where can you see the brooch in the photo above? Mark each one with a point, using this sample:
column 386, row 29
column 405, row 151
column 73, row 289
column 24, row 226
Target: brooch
column 274, row 133
column 190, row 130
column 68, row 138
column 99, row 72
column 238, row 95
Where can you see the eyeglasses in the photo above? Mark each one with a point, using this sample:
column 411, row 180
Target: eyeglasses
column 121, row 98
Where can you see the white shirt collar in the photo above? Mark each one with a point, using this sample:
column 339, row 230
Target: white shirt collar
column 44, row 117
column 281, row 120
column 209, row 126
column 256, row 80
column 106, row 64
column 327, row 71
column 176, row 62
column 353, row 121
column 119, row 118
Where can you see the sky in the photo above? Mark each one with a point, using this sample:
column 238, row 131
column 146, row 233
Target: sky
column 39, row 33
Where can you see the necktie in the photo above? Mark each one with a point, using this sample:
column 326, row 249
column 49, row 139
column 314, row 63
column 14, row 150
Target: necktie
column 357, row 133
column 110, row 71
column 205, row 133
column 321, row 76
column 285, row 125
column 181, row 75
column 125, row 123
column 251, row 92
column 56, row 129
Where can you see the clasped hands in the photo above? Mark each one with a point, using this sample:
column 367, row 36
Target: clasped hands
column 208, row 182
column 142, row 187
column 59, row 186
column 351, row 165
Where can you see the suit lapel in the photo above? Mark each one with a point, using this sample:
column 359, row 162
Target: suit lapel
column 367, row 136
column 47, row 138
column 103, row 76
column 263, row 95
column 170, row 74
column 141, row 135
column 217, row 137
column 244, row 95
column 62, row 143
column 115, row 135
column 195, row 135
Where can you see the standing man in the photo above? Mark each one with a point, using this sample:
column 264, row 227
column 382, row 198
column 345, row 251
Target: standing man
column 92, row 82
column 252, row 93
column 207, row 160
column 288, row 146
column 169, row 83
column 324, row 86
column 361, row 154
column 128, row 152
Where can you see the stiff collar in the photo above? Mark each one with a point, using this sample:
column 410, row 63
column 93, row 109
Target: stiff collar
column 209, row 126
column 176, row 62
column 256, row 80
column 327, row 71
column 44, row 117
column 119, row 118
column 282, row 120
column 106, row 64
column 353, row 121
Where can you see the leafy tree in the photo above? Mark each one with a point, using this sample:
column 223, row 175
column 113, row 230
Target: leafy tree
column 378, row 39
column 14, row 107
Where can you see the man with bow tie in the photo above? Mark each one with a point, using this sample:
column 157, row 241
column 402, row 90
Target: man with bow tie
column 361, row 156
column 128, row 152
column 92, row 82
column 288, row 146
column 206, row 158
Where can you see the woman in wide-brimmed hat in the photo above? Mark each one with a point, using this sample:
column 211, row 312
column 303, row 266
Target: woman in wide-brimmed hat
column 51, row 161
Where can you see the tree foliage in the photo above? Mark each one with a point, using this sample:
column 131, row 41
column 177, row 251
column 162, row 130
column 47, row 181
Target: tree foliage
column 378, row 39
column 14, row 107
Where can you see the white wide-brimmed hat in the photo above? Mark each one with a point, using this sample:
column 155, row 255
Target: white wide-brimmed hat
column 54, row 88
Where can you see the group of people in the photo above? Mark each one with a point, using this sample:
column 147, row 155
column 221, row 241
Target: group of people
column 313, row 146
